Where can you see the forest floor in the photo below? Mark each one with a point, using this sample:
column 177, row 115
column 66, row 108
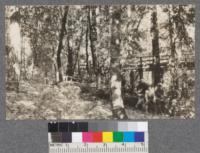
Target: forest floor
column 39, row 101
column 64, row 101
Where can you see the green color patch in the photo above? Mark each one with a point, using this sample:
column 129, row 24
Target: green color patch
column 118, row 137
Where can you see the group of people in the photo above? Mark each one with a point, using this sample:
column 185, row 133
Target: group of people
column 155, row 99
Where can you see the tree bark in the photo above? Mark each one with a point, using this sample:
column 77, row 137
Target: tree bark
column 86, row 46
column 70, row 58
column 173, row 66
column 155, row 48
column 117, row 101
column 93, row 36
column 77, row 51
column 60, row 44
column 172, row 44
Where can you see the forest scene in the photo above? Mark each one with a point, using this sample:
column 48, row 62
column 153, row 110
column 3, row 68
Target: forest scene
column 100, row 62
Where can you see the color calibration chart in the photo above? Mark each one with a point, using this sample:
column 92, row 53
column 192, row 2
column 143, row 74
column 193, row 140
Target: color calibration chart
column 98, row 137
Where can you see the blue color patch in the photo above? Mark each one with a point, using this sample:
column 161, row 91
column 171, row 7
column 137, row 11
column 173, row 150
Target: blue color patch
column 139, row 136
column 129, row 137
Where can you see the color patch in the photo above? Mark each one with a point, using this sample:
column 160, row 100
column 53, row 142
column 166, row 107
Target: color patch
column 87, row 137
column 76, row 136
column 83, row 127
column 66, row 137
column 139, row 136
column 53, row 127
column 56, row 137
column 142, row 126
column 97, row 136
column 73, row 127
column 107, row 137
column 63, row 127
column 132, row 126
column 122, row 126
column 129, row 136
column 118, row 137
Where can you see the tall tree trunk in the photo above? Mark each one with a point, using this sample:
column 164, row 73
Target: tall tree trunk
column 93, row 41
column 172, row 48
column 77, row 51
column 35, row 48
column 60, row 44
column 93, row 36
column 35, row 43
column 155, row 48
column 172, row 44
column 70, row 58
column 86, row 47
column 117, row 101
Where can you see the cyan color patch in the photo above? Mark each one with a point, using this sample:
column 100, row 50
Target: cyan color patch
column 129, row 136
column 139, row 136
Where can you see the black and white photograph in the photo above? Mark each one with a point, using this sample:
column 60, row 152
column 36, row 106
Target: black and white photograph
column 113, row 62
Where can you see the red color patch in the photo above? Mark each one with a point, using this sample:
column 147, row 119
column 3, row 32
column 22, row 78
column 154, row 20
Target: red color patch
column 97, row 136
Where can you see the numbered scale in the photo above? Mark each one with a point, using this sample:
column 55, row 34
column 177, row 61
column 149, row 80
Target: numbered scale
column 98, row 148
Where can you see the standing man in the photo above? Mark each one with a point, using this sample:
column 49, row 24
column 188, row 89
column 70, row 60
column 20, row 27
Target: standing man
column 132, row 81
column 159, row 97
column 141, row 90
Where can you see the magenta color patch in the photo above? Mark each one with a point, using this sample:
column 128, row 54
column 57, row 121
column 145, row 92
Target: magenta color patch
column 87, row 137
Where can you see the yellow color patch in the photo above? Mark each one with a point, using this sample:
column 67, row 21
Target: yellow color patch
column 107, row 137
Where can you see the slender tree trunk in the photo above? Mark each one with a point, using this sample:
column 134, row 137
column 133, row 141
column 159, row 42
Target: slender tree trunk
column 79, row 70
column 117, row 101
column 172, row 44
column 155, row 48
column 70, row 58
column 76, row 59
column 60, row 45
column 93, row 41
column 93, row 36
column 73, row 57
column 86, row 48
column 35, row 55
column 172, row 48
column 35, row 43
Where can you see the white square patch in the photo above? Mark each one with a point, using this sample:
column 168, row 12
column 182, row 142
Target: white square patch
column 76, row 136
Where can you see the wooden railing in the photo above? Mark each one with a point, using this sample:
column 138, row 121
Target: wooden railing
column 147, row 62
